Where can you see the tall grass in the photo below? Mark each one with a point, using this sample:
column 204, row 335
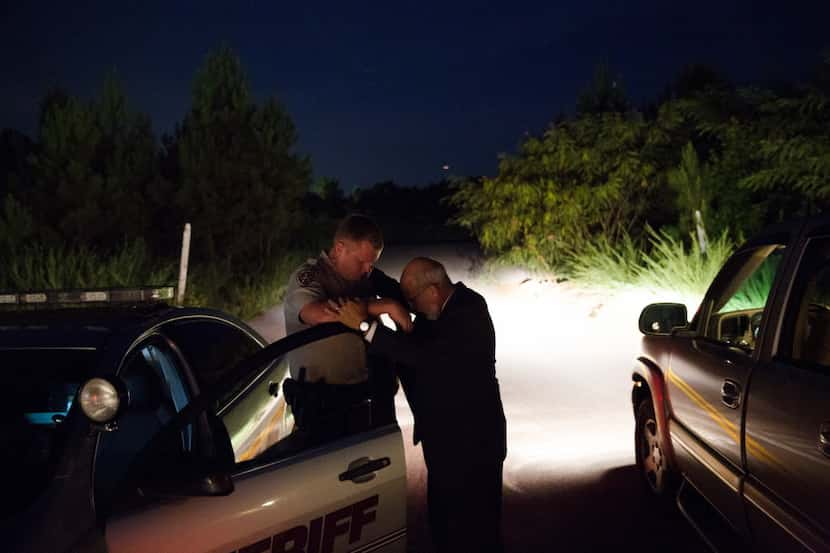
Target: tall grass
column 670, row 264
column 601, row 263
column 243, row 295
column 66, row 267
column 662, row 263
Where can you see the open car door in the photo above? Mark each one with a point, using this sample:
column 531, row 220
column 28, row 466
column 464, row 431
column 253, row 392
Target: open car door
column 256, row 481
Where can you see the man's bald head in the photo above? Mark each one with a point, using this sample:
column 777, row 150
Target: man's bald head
column 421, row 272
column 426, row 285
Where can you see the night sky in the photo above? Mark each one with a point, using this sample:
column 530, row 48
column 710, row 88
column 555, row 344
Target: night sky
column 395, row 90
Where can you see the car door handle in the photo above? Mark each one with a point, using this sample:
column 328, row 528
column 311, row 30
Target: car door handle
column 730, row 394
column 363, row 469
column 824, row 438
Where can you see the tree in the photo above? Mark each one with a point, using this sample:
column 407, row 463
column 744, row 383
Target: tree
column 604, row 95
column 329, row 190
column 327, row 199
column 691, row 182
column 590, row 177
column 791, row 159
column 240, row 181
column 693, row 80
column 94, row 163
column 15, row 149
column 695, row 122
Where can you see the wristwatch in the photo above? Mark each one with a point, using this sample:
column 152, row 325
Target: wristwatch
column 364, row 326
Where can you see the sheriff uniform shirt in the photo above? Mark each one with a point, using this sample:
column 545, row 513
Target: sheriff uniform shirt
column 339, row 359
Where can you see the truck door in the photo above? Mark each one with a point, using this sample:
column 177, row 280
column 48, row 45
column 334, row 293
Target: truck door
column 709, row 373
column 788, row 416
column 338, row 490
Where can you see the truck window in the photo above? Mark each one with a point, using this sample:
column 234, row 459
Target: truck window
column 808, row 318
column 740, row 297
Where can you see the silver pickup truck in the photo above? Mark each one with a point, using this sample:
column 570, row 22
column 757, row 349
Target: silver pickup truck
column 732, row 409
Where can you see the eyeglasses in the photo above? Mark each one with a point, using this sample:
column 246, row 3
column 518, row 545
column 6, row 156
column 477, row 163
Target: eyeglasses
column 411, row 299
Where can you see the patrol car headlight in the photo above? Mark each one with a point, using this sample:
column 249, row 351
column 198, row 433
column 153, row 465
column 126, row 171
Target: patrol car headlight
column 100, row 400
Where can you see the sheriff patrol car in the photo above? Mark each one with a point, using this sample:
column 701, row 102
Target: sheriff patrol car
column 129, row 425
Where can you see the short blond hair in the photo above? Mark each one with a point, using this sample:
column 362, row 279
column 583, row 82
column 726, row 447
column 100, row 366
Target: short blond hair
column 358, row 228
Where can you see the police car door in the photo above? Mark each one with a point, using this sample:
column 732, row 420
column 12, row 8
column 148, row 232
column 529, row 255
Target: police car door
column 337, row 488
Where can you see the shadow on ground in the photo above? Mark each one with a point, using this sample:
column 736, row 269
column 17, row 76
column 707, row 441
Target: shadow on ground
column 611, row 511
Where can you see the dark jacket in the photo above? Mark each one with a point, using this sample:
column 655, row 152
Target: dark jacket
column 449, row 365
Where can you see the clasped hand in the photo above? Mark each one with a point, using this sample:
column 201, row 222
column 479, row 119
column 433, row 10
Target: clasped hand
column 352, row 312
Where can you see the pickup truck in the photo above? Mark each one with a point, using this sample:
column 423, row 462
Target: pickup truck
column 732, row 409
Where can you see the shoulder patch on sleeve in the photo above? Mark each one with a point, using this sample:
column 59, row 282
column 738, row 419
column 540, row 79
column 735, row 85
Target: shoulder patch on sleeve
column 306, row 276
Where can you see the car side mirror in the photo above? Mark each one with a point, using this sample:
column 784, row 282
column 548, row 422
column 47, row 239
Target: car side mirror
column 167, row 471
column 188, row 479
column 659, row 319
column 207, row 484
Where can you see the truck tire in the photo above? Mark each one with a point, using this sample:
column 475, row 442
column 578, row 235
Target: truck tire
column 653, row 463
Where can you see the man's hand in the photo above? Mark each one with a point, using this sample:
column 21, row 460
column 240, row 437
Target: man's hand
column 352, row 313
column 317, row 312
column 397, row 312
column 400, row 315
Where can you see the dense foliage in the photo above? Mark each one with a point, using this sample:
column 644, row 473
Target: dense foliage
column 96, row 199
column 96, row 185
column 741, row 157
column 590, row 176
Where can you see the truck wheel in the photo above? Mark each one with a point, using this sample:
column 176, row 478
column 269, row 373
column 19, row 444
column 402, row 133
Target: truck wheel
column 652, row 460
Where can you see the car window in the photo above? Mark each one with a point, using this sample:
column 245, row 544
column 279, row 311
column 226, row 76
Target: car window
column 740, row 296
column 270, row 416
column 259, row 416
column 808, row 313
column 157, row 388
column 210, row 347
column 39, row 390
column 266, row 416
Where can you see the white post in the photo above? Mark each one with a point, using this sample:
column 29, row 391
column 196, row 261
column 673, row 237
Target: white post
column 701, row 232
column 183, row 264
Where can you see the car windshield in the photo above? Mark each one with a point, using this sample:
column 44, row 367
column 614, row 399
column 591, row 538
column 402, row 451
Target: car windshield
column 39, row 388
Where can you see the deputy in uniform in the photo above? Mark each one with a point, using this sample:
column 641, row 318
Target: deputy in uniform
column 345, row 271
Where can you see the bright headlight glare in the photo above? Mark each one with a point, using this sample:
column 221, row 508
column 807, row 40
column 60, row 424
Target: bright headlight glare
column 100, row 400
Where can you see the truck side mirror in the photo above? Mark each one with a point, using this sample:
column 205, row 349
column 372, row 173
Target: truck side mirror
column 658, row 319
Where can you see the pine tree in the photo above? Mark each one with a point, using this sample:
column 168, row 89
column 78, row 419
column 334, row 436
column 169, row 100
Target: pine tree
column 693, row 189
column 241, row 183
column 605, row 94
column 95, row 162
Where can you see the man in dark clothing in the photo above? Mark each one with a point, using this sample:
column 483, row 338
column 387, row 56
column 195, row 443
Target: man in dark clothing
column 455, row 399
